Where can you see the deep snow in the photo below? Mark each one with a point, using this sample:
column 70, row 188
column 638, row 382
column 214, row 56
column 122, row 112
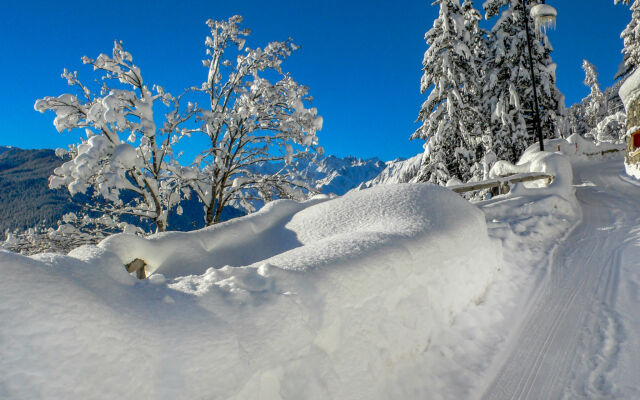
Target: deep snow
column 398, row 291
column 365, row 283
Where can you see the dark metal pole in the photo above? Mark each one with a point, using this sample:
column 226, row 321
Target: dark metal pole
column 536, row 107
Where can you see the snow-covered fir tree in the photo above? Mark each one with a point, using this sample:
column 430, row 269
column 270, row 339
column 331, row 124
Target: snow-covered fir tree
column 451, row 116
column 481, row 130
column 631, row 36
column 508, row 85
column 595, row 102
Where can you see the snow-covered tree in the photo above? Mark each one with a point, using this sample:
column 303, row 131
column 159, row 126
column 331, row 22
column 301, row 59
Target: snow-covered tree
column 72, row 231
column 611, row 129
column 250, row 120
column 575, row 120
column 481, row 129
column 126, row 158
column 595, row 104
column 509, row 84
column 631, row 36
column 451, row 116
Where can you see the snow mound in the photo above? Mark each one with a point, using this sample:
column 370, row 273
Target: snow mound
column 630, row 89
column 336, row 299
column 241, row 241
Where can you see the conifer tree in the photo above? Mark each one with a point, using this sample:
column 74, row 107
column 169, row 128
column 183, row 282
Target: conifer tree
column 595, row 103
column 509, row 84
column 480, row 130
column 450, row 114
column 631, row 36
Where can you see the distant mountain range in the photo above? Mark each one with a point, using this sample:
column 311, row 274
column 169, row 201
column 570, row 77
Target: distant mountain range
column 26, row 200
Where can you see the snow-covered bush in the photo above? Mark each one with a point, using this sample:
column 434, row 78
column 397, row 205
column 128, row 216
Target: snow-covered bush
column 611, row 129
column 72, row 231
column 127, row 157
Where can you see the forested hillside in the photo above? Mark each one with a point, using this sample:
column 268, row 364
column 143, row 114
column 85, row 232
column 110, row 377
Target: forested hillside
column 25, row 198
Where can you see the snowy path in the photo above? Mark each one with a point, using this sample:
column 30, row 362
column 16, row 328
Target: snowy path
column 579, row 336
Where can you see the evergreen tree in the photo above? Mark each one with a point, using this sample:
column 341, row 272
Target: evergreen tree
column 509, row 84
column 451, row 112
column 481, row 129
column 631, row 36
column 595, row 103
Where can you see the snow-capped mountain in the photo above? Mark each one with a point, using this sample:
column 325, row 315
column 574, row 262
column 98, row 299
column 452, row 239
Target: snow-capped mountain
column 339, row 175
column 396, row 171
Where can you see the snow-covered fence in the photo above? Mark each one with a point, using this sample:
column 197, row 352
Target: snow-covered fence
column 503, row 183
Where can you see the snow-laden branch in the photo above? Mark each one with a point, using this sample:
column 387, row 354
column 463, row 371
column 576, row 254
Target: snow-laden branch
column 256, row 115
column 251, row 122
column 125, row 158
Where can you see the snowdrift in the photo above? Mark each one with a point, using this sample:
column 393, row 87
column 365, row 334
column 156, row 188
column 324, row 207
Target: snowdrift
column 331, row 298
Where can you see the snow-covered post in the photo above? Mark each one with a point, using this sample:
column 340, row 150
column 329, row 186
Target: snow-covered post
column 125, row 158
column 509, row 82
column 544, row 16
column 251, row 123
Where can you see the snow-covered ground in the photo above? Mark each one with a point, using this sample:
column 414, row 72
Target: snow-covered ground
column 397, row 291
column 578, row 336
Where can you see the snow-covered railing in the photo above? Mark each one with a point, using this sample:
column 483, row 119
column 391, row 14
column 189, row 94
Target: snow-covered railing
column 503, row 183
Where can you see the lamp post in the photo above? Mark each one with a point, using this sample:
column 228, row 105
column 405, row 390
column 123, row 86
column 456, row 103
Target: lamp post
column 544, row 17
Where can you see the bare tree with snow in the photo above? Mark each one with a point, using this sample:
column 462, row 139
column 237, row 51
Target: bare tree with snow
column 126, row 158
column 256, row 116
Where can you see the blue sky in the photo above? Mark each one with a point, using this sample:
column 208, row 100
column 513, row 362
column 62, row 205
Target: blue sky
column 361, row 59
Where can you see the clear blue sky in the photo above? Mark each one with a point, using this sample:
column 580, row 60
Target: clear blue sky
column 361, row 59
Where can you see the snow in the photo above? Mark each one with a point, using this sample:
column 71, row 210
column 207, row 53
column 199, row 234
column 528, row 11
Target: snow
column 544, row 17
column 578, row 332
column 630, row 89
column 320, row 317
column 124, row 156
column 396, row 291
column 632, row 170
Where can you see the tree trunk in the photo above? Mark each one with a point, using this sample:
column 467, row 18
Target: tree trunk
column 160, row 226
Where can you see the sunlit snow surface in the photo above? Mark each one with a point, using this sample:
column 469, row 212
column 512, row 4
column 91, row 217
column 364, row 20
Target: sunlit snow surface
column 398, row 291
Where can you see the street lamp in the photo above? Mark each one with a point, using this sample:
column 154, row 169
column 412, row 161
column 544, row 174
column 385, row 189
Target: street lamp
column 544, row 17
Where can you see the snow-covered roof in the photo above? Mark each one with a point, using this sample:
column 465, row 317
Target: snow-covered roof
column 630, row 89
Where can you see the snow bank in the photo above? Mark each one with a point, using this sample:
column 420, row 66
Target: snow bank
column 630, row 89
column 533, row 160
column 532, row 210
column 237, row 242
column 578, row 148
column 632, row 170
column 336, row 299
